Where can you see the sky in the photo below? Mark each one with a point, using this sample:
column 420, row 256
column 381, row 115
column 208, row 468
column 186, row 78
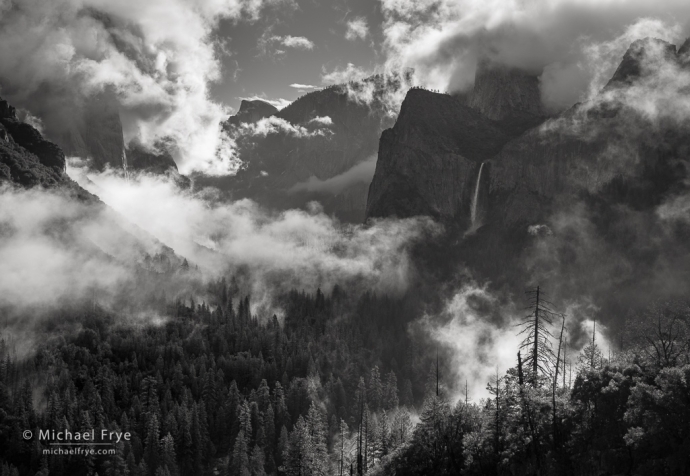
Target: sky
column 179, row 68
column 261, row 61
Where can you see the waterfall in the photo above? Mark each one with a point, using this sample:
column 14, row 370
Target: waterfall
column 475, row 202
column 124, row 163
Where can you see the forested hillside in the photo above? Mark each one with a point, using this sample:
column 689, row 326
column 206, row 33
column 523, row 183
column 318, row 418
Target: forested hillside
column 213, row 389
column 334, row 387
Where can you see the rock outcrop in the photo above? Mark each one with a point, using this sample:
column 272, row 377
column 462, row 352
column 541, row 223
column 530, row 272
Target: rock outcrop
column 26, row 158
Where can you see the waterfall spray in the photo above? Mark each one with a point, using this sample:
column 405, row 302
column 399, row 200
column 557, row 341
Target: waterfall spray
column 475, row 202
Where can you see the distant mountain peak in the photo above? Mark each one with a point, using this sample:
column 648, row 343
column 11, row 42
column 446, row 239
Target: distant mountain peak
column 252, row 110
column 632, row 66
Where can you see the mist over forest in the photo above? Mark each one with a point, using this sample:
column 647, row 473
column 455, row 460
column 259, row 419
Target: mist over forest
column 274, row 237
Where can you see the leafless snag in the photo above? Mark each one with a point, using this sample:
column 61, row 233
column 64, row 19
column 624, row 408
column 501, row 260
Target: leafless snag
column 537, row 342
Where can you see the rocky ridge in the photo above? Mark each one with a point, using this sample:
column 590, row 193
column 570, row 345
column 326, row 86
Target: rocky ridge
column 28, row 160
column 320, row 136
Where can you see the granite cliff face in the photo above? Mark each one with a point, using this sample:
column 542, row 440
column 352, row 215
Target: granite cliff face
column 506, row 95
column 429, row 161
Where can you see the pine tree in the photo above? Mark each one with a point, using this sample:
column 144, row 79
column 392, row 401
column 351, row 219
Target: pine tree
column 591, row 357
column 151, row 447
column 375, row 394
column 167, row 455
column 239, row 465
column 343, row 432
column 318, row 456
column 390, row 392
column 297, row 453
column 257, row 462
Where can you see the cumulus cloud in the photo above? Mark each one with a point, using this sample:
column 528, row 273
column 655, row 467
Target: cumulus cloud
column 441, row 39
column 292, row 249
column 322, row 120
column 274, row 125
column 156, row 58
column 344, row 75
column 357, row 29
column 362, row 172
column 297, row 42
column 270, row 44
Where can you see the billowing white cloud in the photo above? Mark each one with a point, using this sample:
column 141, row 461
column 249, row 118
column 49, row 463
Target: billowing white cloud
column 56, row 249
column 387, row 89
column 344, row 75
column 156, row 57
column 274, row 45
column 479, row 345
column 292, row 249
column 298, row 42
column 357, row 29
column 273, row 125
column 441, row 39
column 322, row 120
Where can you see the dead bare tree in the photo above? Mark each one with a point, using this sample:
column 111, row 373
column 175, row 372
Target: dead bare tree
column 537, row 342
